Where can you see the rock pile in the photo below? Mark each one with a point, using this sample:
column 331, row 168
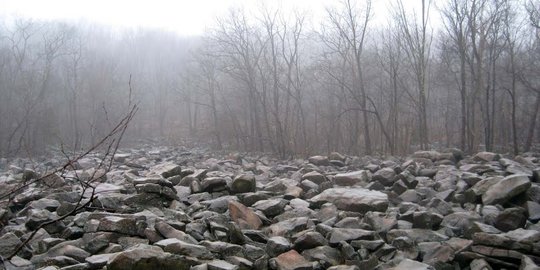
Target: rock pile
column 166, row 208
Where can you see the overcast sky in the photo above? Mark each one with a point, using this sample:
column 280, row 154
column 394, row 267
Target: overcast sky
column 187, row 17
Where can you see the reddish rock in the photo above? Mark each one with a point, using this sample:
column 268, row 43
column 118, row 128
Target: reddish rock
column 292, row 260
column 243, row 216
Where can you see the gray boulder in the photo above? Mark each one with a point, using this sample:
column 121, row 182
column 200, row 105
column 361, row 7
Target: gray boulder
column 354, row 199
column 506, row 189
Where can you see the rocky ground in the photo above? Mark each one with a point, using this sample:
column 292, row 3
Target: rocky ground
column 165, row 208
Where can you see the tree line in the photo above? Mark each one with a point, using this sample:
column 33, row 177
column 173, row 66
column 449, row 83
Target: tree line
column 452, row 73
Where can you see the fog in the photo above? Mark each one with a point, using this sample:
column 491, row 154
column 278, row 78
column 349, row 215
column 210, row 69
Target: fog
column 293, row 80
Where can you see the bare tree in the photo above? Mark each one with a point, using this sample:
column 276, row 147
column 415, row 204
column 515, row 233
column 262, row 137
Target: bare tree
column 350, row 24
column 416, row 44
column 455, row 22
column 241, row 48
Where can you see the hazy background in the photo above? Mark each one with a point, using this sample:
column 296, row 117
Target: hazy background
column 291, row 77
column 185, row 17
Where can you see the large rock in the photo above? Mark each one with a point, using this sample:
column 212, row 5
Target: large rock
column 511, row 219
column 277, row 245
column 354, row 199
column 8, row 243
column 292, row 260
column 343, row 234
column 243, row 216
column 408, row 264
column 385, row 176
column 506, row 189
column 272, row 207
column 243, row 183
column 309, row 240
column 170, row 232
column 213, row 184
column 146, row 258
column 63, row 250
column 100, row 260
column 319, row 160
column 53, row 181
column 118, row 224
column 325, row 255
column 37, row 217
column 533, row 209
column 417, row 235
column 528, row 264
column 431, row 155
column 222, row 265
column 314, row 177
column 44, row 203
column 288, row 227
column 351, row 178
column 180, row 247
column 486, row 156
column 166, row 170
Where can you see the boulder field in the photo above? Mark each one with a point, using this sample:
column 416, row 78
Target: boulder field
column 172, row 208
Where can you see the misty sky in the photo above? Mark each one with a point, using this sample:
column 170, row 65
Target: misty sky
column 187, row 17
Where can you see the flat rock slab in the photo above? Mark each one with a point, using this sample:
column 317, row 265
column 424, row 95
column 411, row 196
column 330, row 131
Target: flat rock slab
column 506, row 189
column 175, row 246
column 417, row 235
column 351, row 178
column 343, row 234
column 354, row 199
column 412, row 265
column 144, row 258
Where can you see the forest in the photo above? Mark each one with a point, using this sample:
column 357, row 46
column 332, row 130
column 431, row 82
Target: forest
column 451, row 74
